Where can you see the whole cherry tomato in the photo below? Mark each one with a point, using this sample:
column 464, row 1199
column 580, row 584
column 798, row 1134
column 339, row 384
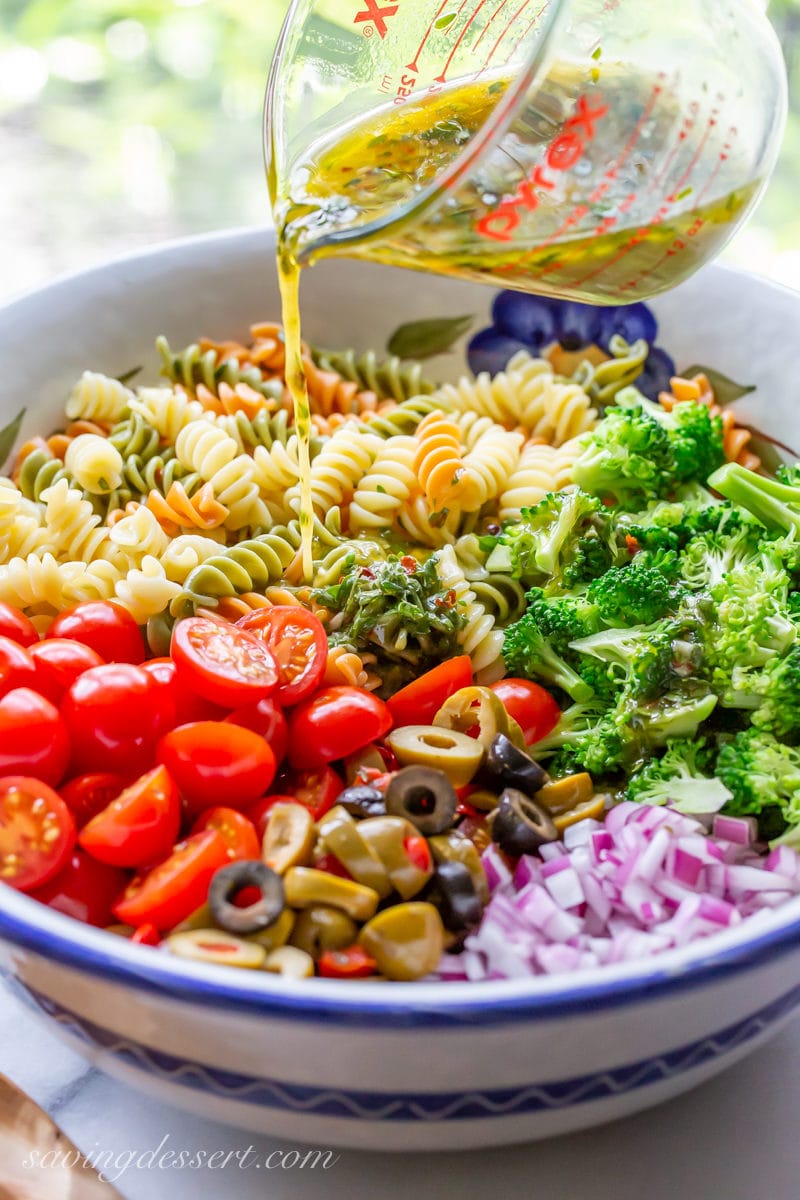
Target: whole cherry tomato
column 212, row 761
column 224, row 664
column 268, row 720
column 140, row 826
column 317, row 790
column 115, row 715
column 237, row 829
column 15, row 625
column 298, row 643
column 17, row 668
column 188, row 705
column 533, row 708
column 419, row 702
column 58, row 664
column 105, row 626
column 87, row 795
column 84, row 889
column 37, row 832
column 33, row 737
column 177, row 887
column 333, row 723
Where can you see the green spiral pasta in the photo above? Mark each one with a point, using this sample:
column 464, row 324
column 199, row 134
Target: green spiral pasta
column 38, row 471
column 602, row 383
column 389, row 378
column 135, row 436
column 250, row 566
column 191, row 367
column 405, row 418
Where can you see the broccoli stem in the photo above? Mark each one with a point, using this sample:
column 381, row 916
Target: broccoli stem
column 776, row 505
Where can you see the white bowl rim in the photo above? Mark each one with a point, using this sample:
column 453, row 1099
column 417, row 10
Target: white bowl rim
column 30, row 925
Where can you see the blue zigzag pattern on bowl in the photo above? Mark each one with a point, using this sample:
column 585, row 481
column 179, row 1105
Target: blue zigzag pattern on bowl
column 439, row 1106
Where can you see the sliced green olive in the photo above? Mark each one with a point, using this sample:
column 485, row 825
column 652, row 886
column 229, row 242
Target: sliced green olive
column 406, row 941
column 340, row 835
column 520, row 826
column 483, row 800
column 423, row 796
column 479, row 708
column 361, row 800
column 213, row 946
column 291, row 962
column 509, row 767
column 594, row 808
column 323, row 928
column 289, row 837
column 306, row 886
column 277, row 934
column 446, row 750
column 367, row 759
column 230, row 881
column 562, row 795
column 388, row 837
column 453, row 893
column 454, row 847
column 200, row 919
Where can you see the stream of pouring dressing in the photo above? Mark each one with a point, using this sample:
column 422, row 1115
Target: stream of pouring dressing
column 367, row 172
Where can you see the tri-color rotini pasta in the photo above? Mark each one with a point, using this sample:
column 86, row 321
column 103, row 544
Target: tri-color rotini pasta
column 183, row 495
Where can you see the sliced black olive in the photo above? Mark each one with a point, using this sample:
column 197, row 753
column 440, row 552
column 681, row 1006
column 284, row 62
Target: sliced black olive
column 520, row 826
column 511, row 767
column 230, row 881
column 423, row 796
column 361, row 800
column 452, row 890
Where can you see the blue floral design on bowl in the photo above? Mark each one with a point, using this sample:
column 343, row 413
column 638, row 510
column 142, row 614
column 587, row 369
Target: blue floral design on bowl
column 534, row 323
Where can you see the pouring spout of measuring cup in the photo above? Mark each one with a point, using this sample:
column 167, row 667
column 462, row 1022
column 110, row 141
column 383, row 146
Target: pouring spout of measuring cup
column 597, row 150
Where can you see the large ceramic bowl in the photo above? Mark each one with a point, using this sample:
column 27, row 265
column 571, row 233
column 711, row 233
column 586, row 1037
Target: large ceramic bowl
column 387, row 1066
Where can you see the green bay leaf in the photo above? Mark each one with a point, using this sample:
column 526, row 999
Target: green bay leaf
column 423, row 339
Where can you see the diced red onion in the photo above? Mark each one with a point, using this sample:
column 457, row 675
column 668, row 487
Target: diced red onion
column 496, row 868
column 741, row 830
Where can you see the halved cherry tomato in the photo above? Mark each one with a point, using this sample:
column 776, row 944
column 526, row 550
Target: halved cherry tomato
column 17, row 668
column 146, row 935
column 351, row 963
column 115, row 715
column 238, row 831
column 188, row 705
column 318, row 789
column 418, row 852
column 87, row 795
column 268, row 720
column 334, row 723
column 212, row 761
column 15, row 625
column 105, row 626
column 37, row 832
column 33, row 737
column 419, row 702
column 297, row 641
column 177, row 887
column 533, row 708
column 84, row 889
column 58, row 663
column 223, row 663
column 140, row 826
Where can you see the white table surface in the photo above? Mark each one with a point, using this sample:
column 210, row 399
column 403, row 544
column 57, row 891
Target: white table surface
column 736, row 1138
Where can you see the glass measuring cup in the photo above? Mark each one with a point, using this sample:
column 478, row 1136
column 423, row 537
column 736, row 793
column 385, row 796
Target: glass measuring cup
column 598, row 150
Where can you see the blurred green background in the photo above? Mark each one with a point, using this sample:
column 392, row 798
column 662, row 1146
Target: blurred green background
column 123, row 122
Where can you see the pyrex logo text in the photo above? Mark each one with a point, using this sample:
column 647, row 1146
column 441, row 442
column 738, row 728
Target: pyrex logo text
column 376, row 13
column 562, row 154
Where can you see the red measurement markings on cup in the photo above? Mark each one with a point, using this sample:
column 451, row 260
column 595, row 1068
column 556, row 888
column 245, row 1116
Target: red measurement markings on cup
column 522, row 35
column 414, row 64
column 562, row 154
column 481, row 4
column 374, row 17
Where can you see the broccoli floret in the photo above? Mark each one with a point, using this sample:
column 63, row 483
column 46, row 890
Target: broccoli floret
column 779, row 688
column 761, row 773
column 678, row 713
column 528, row 653
column 775, row 504
column 628, row 458
column 642, row 452
column 563, row 619
column 709, row 557
column 638, row 594
column 637, row 659
column 564, row 537
column 682, row 778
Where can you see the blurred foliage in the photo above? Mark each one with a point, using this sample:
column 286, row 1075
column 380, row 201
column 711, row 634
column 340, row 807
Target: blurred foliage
column 122, row 121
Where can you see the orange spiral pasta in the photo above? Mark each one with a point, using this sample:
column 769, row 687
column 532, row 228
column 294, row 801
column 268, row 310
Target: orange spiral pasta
column 735, row 438
column 439, row 464
column 177, row 511
column 329, row 392
column 230, row 400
